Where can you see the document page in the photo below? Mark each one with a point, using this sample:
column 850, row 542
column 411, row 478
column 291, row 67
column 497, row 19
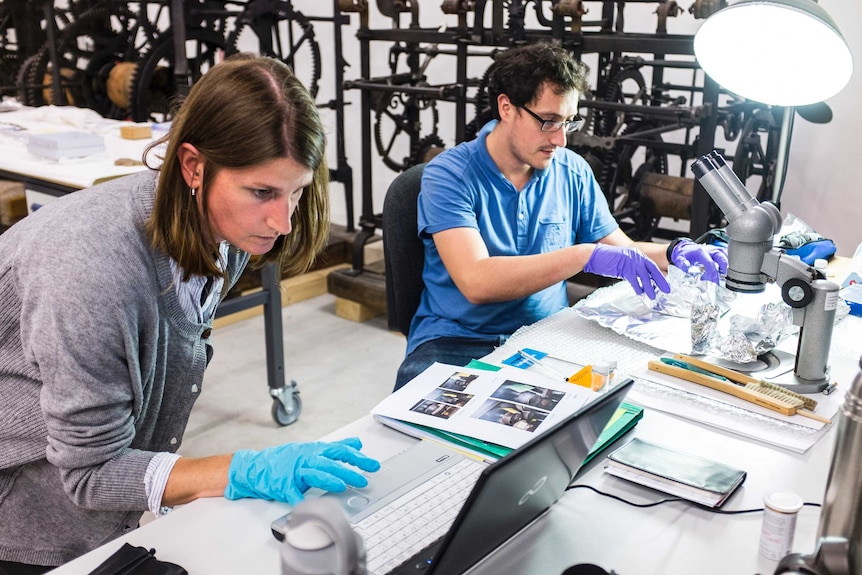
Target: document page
column 507, row 407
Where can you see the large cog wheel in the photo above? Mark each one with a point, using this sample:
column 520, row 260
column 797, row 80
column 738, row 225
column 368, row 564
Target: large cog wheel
column 154, row 86
column 290, row 38
column 425, row 149
column 390, row 124
column 97, row 39
column 628, row 86
column 482, row 107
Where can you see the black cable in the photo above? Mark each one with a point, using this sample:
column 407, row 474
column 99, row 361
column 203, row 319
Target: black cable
column 674, row 499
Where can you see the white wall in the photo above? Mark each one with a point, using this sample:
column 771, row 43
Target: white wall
column 821, row 183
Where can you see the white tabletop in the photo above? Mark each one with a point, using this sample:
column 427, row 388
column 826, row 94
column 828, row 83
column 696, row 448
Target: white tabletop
column 215, row 536
column 73, row 172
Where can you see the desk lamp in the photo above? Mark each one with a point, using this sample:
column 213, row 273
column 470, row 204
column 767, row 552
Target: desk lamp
column 791, row 53
column 779, row 52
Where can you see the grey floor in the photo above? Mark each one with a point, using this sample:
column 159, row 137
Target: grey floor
column 343, row 368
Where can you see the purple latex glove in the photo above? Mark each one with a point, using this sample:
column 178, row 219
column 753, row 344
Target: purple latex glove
column 686, row 253
column 629, row 264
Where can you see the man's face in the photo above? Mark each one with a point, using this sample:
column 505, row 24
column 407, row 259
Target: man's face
column 251, row 207
column 527, row 142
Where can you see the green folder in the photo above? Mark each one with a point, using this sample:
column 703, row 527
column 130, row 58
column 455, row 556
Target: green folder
column 626, row 417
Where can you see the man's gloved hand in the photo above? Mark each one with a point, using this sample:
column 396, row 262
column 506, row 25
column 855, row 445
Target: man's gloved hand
column 629, row 264
column 285, row 472
column 685, row 253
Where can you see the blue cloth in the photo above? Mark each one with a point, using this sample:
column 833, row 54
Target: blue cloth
column 817, row 249
column 462, row 187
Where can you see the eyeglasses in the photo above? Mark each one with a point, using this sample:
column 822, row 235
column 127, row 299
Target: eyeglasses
column 554, row 125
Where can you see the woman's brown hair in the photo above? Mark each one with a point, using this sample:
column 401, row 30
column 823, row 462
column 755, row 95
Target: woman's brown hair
column 243, row 112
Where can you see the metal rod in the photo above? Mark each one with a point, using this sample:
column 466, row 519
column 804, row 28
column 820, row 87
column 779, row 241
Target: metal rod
column 783, row 154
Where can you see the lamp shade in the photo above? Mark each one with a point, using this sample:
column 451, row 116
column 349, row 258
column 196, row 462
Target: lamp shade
column 779, row 52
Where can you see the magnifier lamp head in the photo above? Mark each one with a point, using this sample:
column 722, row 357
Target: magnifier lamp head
column 779, row 52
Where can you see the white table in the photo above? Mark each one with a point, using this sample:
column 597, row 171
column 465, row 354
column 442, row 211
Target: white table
column 57, row 177
column 215, row 536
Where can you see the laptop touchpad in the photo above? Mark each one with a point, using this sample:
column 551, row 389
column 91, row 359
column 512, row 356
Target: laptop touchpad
column 358, row 502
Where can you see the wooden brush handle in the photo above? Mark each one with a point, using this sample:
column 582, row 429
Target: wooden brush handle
column 725, row 386
column 808, row 402
column 812, row 415
column 717, row 369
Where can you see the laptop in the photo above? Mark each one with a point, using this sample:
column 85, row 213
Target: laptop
column 497, row 501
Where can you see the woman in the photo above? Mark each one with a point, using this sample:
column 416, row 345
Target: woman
column 106, row 303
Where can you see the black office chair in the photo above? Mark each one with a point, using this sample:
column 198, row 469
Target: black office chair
column 403, row 253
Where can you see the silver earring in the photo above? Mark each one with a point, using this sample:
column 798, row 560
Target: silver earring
column 194, row 191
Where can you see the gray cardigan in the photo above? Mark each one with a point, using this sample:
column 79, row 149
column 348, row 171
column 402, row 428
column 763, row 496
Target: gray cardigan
column 99, row 369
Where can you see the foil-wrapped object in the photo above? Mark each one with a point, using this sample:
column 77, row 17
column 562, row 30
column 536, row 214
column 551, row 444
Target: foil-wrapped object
column 686, row 288
column 704, row 327
column 736, row 348
column 696, row 317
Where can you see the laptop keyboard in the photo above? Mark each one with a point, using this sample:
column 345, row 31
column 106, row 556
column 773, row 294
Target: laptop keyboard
column 417, row 519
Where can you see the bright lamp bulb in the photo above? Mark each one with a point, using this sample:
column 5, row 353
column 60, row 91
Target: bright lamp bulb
column 779, row 52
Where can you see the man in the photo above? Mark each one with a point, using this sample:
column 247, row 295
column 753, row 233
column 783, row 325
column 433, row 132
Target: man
column 508, row 217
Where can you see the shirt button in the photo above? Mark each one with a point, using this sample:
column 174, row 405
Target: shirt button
column 173, row 440
column 194, row 388
column 207, row 333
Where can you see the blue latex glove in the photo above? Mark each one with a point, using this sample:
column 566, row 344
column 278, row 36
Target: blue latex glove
column 286, row 472
column 687, row 253
column 629, row 264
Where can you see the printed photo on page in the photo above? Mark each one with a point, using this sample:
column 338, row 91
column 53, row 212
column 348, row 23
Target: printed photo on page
column 505, row 407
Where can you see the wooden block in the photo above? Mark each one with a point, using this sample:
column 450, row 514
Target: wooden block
column 367, row 288
column 355, row 311
column 373, row 251
column 306, row 286
column 667, row 196
column 136, row 132
column 13, row 202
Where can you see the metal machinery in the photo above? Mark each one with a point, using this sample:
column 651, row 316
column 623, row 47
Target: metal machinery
column 119, row 59
column 644, row 125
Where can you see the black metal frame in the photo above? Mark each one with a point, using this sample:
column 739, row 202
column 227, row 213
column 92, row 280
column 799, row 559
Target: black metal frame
column 508, row 29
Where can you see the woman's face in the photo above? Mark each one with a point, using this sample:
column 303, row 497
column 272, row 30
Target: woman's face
column 251, row 207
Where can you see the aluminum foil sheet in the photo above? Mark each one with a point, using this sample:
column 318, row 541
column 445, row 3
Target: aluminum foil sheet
column 696, row 317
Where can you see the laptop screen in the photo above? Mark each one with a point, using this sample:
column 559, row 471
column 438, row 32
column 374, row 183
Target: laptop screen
column 515, row 490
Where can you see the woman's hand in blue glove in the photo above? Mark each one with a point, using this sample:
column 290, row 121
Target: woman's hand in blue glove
column 630, row 264
column 286, row 472
column 687, row 253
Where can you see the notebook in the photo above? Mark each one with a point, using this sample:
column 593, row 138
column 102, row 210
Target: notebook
column 685, row 475
column 499, row 500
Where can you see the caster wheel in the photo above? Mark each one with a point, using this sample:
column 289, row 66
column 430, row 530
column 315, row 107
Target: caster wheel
column 286, row 416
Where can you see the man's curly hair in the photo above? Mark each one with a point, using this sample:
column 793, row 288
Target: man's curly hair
column 521, row 72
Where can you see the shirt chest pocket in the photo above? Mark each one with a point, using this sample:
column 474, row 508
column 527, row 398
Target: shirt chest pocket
column 553, row 232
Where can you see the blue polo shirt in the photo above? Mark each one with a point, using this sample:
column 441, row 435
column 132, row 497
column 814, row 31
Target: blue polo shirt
column 463, row 188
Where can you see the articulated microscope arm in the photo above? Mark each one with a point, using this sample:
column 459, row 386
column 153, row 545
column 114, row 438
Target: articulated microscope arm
column 752, row 261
